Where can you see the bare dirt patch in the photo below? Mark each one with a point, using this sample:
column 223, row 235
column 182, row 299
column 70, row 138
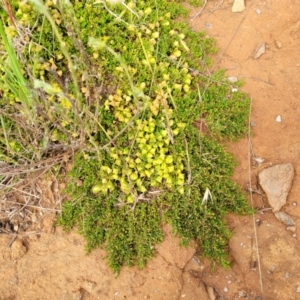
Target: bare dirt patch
column 54, row 265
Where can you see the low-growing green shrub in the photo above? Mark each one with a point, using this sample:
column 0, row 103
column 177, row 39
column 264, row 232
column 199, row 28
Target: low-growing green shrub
column 124, row 85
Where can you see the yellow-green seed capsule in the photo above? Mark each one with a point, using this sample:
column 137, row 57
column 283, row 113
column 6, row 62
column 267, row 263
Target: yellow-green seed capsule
column 169, row 159
column 96, row 189
column 130, row 199
column 133, row 176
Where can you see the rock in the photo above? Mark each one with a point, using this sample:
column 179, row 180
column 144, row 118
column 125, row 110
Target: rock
column 208, row 25
column 298, row 289
column 252, row 123
column 242, row 294
column 287, row 275
column 276, row 181
column 258, row 160
column 226, row 289
column 17, row 249
column 34, row 218
column 238, row 6
column 258, row 11
column 284, row 218
column 278, row 44
column 260, row 50
column 258, row 222
column 278, row 119
column 211, row 293
column 291, row 228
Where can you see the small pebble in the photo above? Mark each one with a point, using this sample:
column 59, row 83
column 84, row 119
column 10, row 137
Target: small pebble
column 252, row 123
column 278, row 119
column 258, row 11
column 196, row 260
column 291, row 228
column 298, row 289
column 284, row 218
column 238, row 6
column 208, row 25
column 259, row 160
column 278, row 44
column 295, row 203
column 33, row 218
column 225, row 289
column 294, row 235
column 287, row 275
column 242, row 294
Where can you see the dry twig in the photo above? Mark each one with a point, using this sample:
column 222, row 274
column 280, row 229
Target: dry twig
column 251, row 198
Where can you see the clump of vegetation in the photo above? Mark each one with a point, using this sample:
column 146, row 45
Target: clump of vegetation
column 123, row 85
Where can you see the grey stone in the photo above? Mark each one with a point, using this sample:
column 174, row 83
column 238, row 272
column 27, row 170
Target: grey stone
column 284, row 218
column 276, row 181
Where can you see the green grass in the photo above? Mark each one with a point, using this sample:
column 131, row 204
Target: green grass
column 122, row 87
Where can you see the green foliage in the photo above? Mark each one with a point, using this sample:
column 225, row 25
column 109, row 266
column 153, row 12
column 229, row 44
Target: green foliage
column 203, row 219
column 126, row 82
column 220, row 103
column 128, row 234
column 193, row 2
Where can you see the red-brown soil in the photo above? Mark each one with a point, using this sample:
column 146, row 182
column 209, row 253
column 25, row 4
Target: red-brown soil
column 55, row 265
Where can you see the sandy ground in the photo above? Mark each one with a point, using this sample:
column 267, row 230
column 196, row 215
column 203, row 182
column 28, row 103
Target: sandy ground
column 53, row 264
